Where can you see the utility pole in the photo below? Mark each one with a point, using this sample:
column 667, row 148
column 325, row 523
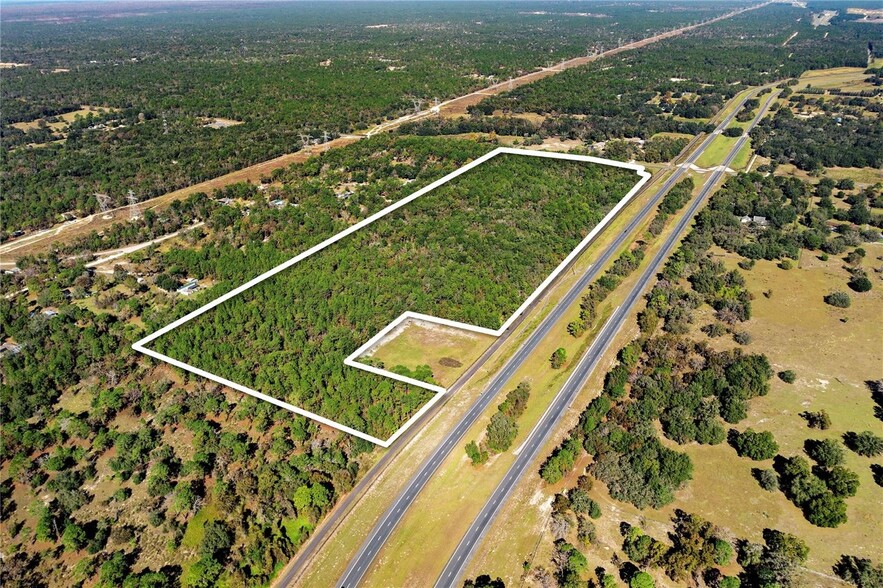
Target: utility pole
column 103, row 201
column 134, row 213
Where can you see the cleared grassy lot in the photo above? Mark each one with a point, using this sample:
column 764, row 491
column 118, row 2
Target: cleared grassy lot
column 447, row 351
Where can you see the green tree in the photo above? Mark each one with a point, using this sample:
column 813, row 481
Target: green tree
column 642, row 580
column 826, row 452
column 501, row 432
column 74, row 537
column 755, row 445
column 865, row 443
column 114, row 570
column 558, row 358
column 475, row 453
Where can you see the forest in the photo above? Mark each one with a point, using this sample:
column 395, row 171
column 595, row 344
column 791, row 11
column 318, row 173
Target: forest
column 674, row 86
column 119, row 471
column 282, row 69
column 471, row 251
column 822, row 141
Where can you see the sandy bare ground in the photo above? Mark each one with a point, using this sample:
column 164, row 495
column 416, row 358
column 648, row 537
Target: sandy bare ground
column 42, row 241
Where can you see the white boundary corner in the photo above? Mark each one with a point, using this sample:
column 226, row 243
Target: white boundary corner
column 351, row 360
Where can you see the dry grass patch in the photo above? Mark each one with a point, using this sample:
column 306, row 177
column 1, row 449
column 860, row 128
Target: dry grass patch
column 446, row 350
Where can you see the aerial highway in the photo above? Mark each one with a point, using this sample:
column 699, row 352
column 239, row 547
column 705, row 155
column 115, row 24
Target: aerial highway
column 541, row 432
column 387, row 523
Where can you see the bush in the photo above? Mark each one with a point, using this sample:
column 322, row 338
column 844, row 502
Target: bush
column 642, row 580
column 788, row 376
column 757, row 446
column 558, row 358
column 838, row 299
column 817, row 420
column 786, row 264
column 742, row 337
column 733, row 132
column 767, row 479
column 841, row 481
column 859, row 571
column 475, row 453
column 503, row 428
column 715, row 329
column 723, row 552
column 860, row 283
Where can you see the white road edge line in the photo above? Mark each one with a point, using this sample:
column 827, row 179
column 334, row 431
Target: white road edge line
column 141, row 345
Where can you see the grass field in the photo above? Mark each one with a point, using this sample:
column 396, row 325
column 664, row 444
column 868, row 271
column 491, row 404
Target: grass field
column 717, row 152
column 833, row 359
column 66, row 118
column 844, row 78
column 447, row 351
column 862, row 176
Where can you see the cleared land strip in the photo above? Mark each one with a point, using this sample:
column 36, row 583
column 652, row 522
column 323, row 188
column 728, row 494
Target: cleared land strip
column 41, row 241
column 360, row 565
column 543, row 430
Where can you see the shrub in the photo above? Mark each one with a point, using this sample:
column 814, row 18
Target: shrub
column 576, row 328
column 475, row 453
column 838, row 299
column 767, row 479
column 742, row 337
column 733, row 132
column 817, row 420
column 642, row 580
column 859, row 571
column 723, row 552
column 788, row 376
column 558, row 358
column 501, row 432
column 841, row 481
column 715, row 329
column 860, row 283
column 786, row 264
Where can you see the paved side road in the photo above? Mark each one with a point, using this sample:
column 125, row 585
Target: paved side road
column 390, row 519
column 536, row 440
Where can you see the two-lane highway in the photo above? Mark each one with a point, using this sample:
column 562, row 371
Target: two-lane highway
column 378, row 536
column 541, row 432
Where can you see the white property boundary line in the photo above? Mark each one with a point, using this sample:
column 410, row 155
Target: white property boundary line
column 351, row 359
